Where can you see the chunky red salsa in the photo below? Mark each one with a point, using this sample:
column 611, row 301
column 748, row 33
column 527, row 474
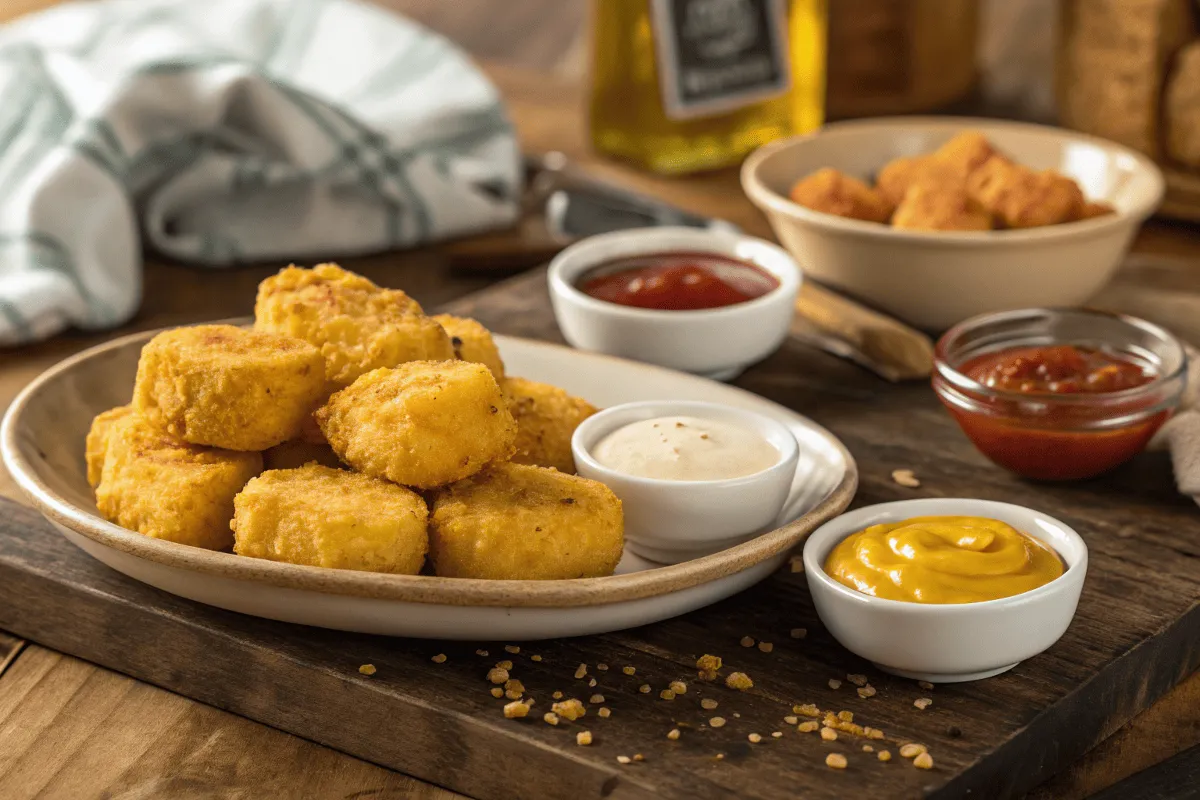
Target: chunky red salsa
column 677, row 281
column 1056, row 369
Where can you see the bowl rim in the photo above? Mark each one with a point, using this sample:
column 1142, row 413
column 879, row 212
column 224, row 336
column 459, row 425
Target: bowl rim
column 575, row 592
column 614, row 417
column 1074, row 573
column 771, row 202
column 706, row 240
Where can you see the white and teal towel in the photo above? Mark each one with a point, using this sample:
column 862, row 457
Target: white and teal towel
column 225, row 131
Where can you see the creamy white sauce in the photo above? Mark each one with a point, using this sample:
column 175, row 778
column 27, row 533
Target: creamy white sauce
column 685, row 449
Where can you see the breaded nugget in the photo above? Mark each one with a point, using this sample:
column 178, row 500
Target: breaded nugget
column 324, row 517
column 298, row 452
column 901, row 174
column 97, row 440
column 834, row 192
column 423, row 424
column 546, row 418
column 473, row 342
column 159, row 486
column 1092, row 209
column 516, row 522
column 929, row 207
column 967, row 152
column 228, row 387
column 1018, row 197
column 356, row 325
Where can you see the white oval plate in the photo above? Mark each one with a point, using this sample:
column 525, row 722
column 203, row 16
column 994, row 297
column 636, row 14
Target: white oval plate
column 42, row 441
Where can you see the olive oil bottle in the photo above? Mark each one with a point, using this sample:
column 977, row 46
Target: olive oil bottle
column 681, row 86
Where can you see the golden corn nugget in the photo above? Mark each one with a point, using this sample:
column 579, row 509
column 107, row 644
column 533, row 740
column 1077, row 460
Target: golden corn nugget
column 473, row 342
column 228, row 387
column 156, row 485
column 325, row 517
column 1093, row 209
column 97, row 440
column 423, row 424
column 967, row 152
column 355, row 324
column 1019, row 197
column 834, row 192
column 516, row 522
column 901, row 174
column 298, row 452
column 929, row 207
column 546, row 419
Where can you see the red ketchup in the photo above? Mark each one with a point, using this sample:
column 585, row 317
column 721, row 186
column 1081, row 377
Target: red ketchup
column 677, row 281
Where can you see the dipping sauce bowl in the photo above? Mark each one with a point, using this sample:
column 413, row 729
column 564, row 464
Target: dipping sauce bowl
column 947, row 643
column 1051, row 436
column 670, row 521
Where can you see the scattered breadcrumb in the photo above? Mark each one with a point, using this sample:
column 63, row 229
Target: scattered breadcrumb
column 808, row 727
column 440, row 658
column 602, row 667
column 766, row 647
column 367, row 669
column 708, row 663
column 483, row 653
column 799, row 633
column 673, row 734
column 866, row 691
column 829, row 734
column 922, row 703
column 856, row 679
column 925, row 685
column 644, row 688
column 535, row 658
column 739, row 680
column 505, row 664
column 708, row 704
column 736, row 715
column 884, row 755
column 754, row 738
column 512, row 694
column 747, row 641
column 583, row 738
column 591, row 683
column 835, row 761
column 570, row 709
column 550, row 718
column 605, row 712
column 516, row 709
column 923, row 761
column 638, row 757
column 557, row 695
column 719, row 756
column 580, row 671
column 623, row 759
column 868, row 749
column 905, row 477
column 808, row 710
column 846, row 716
column 911, row 750
column 596, row 698
column 497, row 692
column 512, row 648
column 512, row 684
column 874, row 733
column 497, row 675
column 678, row 687
column 707, row 674
column 717, row 722
column 790, row 719
column 628, row 670
column 776, row 734
column 834, row 683
column 667, row 694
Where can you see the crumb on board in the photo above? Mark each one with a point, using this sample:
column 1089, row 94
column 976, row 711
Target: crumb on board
column 747, row 641
column 535, row 657
column 807, row 710
column 550, row 718
column 605, row 712
column 846, row 716
column 835, row 761
column 440, row 658
column 866, row 691
column 799, row 633
column 868, row 748
column 644, row 688
column 884, row 755
column 857, row 679
column 367, row 669
column 829, row 734
column 512, row 694
column 557, row 695
column 596, row 699
column 673, row 734
column 516, row 709
column 497, row 675
column 707, row 663
column 923, row 761
column 906, row 478
column 708, row 704
column 512, row 648
column 923, row 703
column 754, row 738
column 497, row 692
column 678, row 687
column 570, row 709
column 667, row 694
column 791, row 719
column 623, row 759
column 628, row 670
column 834, row 683
column 766, row 647
column 483, row 653
column 776, row 734
column 911, row 750
column 808, row 727
column 505, row 664
column 925, row 685
column 512, row 684
column 638, row 757
column 591, row 683
column 602, row 667
column 580, row 671
column 717, row 722
column 583, row 738
column 739, row 680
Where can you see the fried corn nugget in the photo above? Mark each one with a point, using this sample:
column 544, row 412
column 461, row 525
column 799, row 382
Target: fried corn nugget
column 929, row 207
column 834, row 192
column 1093, row 209
column 514, row 522
column 97, row 440
column 967, row 152
column 228, row 387
column 161, row 487
column 423, row 424
column 901, row 174
column 298, row 452
column 325, row 517
column 355, row 324
column 473, row 342
column 546, row 418
column 1022, row 198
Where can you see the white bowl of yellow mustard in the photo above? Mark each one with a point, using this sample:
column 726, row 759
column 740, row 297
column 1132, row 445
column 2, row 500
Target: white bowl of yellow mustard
column 945, row 590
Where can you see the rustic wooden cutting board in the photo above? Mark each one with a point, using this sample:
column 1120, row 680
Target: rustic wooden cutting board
column 1137, row 633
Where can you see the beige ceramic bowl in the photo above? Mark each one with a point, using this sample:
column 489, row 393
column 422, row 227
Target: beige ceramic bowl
column 936, row 279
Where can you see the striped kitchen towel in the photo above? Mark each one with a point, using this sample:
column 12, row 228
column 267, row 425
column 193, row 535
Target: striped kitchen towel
column 227, row 131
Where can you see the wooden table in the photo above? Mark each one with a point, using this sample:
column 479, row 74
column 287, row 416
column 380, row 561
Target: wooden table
column 71, row 729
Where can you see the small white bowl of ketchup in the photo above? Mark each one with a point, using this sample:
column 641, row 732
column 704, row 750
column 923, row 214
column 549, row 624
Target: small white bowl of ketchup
column 701, row 301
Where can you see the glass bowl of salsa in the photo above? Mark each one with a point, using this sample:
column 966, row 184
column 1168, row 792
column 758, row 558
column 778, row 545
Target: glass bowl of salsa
column 1059, row 394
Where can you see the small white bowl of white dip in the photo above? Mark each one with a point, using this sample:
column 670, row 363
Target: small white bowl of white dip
column 694, row 478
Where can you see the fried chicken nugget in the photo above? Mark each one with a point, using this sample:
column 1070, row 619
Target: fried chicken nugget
column 228, row 387
column 901, row 174
column 473, row 342
column 422, row 424
column 298, row 452
column 546, row 418
column 928, row 207
column 516, row 522
column 967, row 152
column 323, row 517
column 97, row 441
column 161, row 487
column 1093, row 209
column 1022, row 198
column 356, row 325
column 834, row 192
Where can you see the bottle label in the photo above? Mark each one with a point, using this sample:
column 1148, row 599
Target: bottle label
column 718, row 55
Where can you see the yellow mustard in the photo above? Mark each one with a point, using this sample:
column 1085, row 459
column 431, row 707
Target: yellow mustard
column 943, row 560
